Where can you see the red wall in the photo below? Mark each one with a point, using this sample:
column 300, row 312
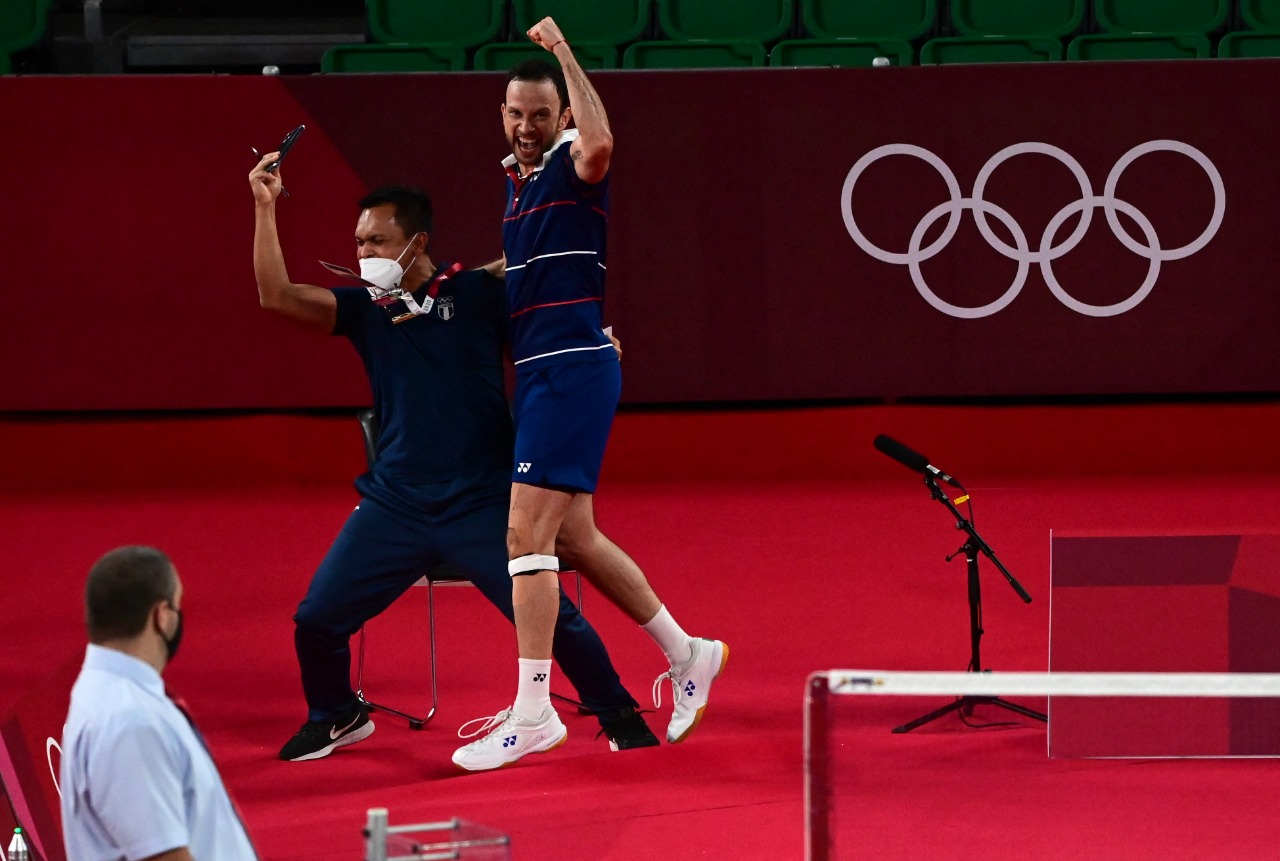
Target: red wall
column 127, row 225
column 976, row 444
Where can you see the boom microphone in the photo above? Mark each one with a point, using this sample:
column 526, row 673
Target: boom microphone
column 911, row 459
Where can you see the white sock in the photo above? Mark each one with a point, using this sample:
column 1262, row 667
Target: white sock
column 669, row 636
column 533, row 693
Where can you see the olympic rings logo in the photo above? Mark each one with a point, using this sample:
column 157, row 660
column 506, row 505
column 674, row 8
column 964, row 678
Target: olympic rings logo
column 1021, row 252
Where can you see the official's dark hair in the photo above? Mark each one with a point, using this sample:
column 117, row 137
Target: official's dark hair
column 122, row 588
column 413, row 207
column 537, row 71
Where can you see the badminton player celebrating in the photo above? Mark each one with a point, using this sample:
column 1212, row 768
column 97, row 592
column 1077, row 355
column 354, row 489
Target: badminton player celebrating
column 568, row 382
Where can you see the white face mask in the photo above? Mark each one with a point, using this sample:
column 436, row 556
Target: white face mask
column 384, row 273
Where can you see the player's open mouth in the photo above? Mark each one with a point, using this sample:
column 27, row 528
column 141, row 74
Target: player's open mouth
column 528, row 147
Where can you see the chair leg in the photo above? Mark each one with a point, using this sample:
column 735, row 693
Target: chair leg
column 415, row 722
column 582, row 710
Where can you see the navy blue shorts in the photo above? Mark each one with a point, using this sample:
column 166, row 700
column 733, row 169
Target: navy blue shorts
column 563, row 416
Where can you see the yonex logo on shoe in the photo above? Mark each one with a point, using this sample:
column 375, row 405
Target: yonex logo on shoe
column 539, row 677
column 509, row 741
column 524, row 467
column 689, row 688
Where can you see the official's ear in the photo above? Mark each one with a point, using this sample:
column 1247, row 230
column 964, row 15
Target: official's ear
column 157, row 617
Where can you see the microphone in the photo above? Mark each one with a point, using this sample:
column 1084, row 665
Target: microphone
column 911, row 459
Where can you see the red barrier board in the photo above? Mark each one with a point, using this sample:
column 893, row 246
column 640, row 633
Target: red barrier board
column 1164, row 604
column 1031, row 229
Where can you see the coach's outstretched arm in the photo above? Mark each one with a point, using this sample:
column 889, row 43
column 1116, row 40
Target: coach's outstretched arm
column 314, row 307
column 594, row 147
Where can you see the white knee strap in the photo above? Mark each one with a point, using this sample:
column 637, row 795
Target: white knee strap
column 532, row 563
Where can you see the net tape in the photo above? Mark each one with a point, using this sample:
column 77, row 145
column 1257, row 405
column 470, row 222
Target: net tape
column 1054, row 684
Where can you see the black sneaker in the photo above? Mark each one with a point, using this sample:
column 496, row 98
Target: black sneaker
column 626, row 729
column 320, row 738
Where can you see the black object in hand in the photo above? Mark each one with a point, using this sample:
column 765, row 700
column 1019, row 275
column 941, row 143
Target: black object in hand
column 285, row 145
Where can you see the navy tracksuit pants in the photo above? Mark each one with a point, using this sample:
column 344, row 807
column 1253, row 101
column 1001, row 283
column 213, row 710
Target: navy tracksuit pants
column 398, row 534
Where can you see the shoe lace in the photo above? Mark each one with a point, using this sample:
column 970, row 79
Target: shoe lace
column 669, row 675
column 314, row 728
column 486, row 724
column 675, row 675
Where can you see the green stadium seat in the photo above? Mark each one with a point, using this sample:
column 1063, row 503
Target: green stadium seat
column 840, row 52
column 869, row 19
column 1052, row 18
column 394, row 58
column 726, row 20
column 615, row 22
column 464, row 23
column 1161, row 16
column 1250, row 43
column 1139, row 46
column 702, row 54
column 1261, row 14
column 946, row 50
column 22, row 23
column 501, row 56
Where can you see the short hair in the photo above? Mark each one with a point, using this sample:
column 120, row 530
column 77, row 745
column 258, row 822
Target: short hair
column 412, row 205
column 122, row 588
column 536, row 71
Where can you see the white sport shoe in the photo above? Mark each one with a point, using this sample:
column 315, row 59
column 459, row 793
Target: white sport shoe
column 691, row 686
column 509, row 738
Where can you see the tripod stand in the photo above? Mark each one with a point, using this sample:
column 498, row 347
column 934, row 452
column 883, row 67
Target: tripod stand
column 973, row 545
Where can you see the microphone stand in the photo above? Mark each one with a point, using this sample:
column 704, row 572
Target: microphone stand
column 972, row 546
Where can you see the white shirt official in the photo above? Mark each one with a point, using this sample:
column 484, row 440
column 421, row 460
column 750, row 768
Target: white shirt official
column 136, row 779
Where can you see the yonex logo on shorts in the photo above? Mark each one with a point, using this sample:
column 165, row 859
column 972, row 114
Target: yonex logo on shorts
column 524, row 467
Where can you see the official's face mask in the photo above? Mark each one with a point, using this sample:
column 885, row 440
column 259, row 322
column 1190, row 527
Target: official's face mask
column 384, row 273
column 171, row 644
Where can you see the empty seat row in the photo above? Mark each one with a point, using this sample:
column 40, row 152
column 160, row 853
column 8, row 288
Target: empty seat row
column 1102, row 46
column 471, row 23
column 443, row 35
column 424, row 35
column 814, row 52
column 500, row 56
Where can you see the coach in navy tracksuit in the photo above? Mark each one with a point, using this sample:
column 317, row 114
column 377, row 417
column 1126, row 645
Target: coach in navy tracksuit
column 438, row 492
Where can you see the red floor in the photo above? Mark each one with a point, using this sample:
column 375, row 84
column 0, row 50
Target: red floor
column 796, row 571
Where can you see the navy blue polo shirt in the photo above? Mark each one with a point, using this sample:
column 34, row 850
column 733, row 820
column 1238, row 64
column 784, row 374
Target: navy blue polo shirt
column 437, row 380
column 553, row 235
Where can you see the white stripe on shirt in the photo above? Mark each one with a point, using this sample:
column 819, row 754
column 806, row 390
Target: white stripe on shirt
column 558, row 352
column 543, row 256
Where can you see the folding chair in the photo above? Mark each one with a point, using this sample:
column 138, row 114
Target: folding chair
column 438, row 577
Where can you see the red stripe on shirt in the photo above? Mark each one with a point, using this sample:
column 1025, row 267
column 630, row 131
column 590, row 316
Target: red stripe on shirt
column 554, row 304
column 536, row 208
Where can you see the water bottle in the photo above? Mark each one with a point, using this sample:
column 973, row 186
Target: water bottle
column 18, row 850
